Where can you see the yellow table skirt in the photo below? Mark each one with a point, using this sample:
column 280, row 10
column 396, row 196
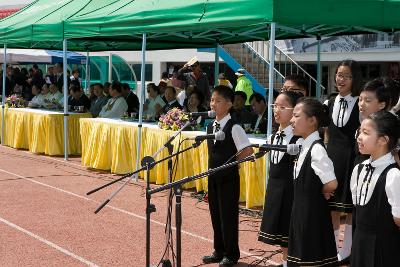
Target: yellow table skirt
column 42, row 131
column 111, row 145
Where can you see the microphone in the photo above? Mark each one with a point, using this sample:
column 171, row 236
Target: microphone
column 218, row 136
column 291, row 149
column 210, row 114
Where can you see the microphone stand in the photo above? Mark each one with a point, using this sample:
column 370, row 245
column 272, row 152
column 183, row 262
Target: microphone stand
column 177, row 186
column 148, row 162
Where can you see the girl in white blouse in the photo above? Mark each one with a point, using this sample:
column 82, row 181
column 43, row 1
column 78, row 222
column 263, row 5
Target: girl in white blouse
column 375, row 188
column 311, row 237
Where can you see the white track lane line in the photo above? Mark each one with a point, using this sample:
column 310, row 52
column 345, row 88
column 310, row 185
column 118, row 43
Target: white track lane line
column 47, row 242
column 127, row 212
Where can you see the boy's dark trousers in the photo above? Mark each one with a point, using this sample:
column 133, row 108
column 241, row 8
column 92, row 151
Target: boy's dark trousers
column 223, row 199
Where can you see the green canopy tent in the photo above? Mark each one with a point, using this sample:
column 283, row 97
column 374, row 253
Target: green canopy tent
column 96, row 25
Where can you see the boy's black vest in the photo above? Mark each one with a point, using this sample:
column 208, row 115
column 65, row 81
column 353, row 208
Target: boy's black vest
column 219, row 152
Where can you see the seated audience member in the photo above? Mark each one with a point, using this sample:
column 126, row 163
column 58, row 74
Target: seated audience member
column 38, row 98
column 75, row 77
column 154, row 103
column 77, row 97
column 131, row 99
column 162, row 86
column 91, row 92
column 55, row 96
column 184, row 95
column 106, row 89
column 170, row 96
column 45, row 92
column 116, row 106
column 259, row 107
column 98, row 101
column 296, row 83
column 195, row 102
column 240, row 113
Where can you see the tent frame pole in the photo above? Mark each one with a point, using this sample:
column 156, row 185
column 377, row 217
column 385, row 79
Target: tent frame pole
column 87, row 72
column 3, row 98
column 270, row 94
column 216, row 64
column 318, row 92
column 141, row 101
column 65, row 86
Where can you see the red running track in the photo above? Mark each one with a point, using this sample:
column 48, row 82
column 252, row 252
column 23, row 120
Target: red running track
column 46, row 219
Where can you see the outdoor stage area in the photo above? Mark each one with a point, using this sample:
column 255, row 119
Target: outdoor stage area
column 47, row 219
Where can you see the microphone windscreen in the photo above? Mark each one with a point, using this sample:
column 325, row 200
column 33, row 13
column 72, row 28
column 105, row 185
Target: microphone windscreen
column 293, row 149
column 219, row 136
column 211, row 114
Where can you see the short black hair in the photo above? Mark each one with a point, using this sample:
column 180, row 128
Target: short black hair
column 125, row 86
column 107, row 84
column 355, row 69
column 155, row 87
column 35, row 66
column 298, row 79
column 164, row 75
column 98, row 84
column 258, row 97
column 386, row 90
column 75, row 83
column 116, row 86
column 387, row 124
column 74, row 88
column 172, row 88
column 225, row 92
column 241, row 94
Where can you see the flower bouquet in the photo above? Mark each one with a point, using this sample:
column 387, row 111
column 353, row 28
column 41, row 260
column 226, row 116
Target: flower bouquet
column 174, row 120
column 15, row 101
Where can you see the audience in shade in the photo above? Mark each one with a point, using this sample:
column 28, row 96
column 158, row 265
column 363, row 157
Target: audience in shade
column 240, row 113
column 77, row 97
column 183, row 96
column 106, row 89
column 98, row 101
column 131, row 99
column 38, row 98
column 170, row 96
column 154, row 103
column 195, row 103
column 259, row 107
column 116, row 106
column 55, row 96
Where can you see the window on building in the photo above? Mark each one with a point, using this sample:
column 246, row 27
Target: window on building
column 148, row 73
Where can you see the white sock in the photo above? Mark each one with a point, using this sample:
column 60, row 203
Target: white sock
column 337, row 239
column 284, row 263
column 345, row 251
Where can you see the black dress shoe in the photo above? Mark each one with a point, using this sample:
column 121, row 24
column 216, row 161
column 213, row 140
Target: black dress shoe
column 227, row 262
column 213, row 258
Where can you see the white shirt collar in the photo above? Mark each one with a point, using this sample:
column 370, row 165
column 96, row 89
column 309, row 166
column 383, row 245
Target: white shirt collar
column 288, row 130
column 309, row 140
column 347, row 97
column 223, row 122
column 380, row 161
column 173, row 101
